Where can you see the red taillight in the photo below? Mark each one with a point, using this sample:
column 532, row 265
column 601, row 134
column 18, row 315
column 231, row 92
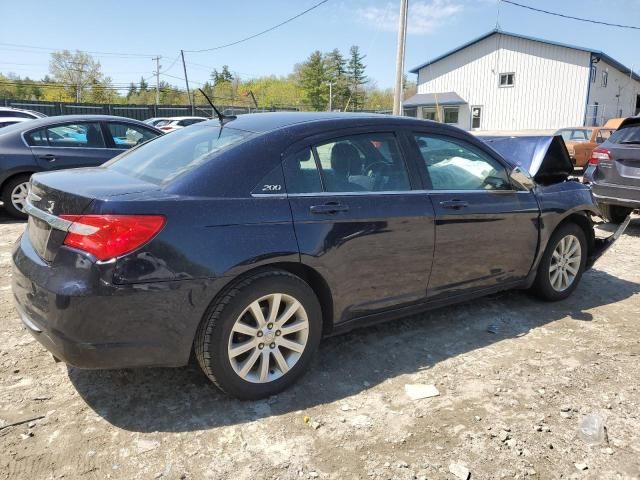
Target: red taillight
column 166, row 129
column 599, row 154
column 109, row 236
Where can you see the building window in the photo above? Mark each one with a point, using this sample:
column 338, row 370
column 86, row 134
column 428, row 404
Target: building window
column 605, row 79
column 451, row 114
column 429, row 113
column 594, row 73
column 507, row 79
column 411, row 111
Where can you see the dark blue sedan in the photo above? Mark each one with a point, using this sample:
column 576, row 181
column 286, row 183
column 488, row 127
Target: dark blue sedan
column 247, row 244
column 65, row 141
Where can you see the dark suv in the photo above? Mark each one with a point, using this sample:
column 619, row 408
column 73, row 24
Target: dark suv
column 614, row 172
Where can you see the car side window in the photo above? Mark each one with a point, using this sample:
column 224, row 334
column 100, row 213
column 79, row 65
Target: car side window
column 125, row 135
column 84, row 135
column 37, row 138
column 301, row 173
column 453, row 164
column 369, row 162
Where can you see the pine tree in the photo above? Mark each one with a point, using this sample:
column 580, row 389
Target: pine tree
column 357, row 78
column 143, row 85
column 133, row 90
column 336, row 72
column 313, row 81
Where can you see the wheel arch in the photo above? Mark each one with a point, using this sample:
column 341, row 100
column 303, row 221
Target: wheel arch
column 13, row 175
column 316, row 281
column 582, row 219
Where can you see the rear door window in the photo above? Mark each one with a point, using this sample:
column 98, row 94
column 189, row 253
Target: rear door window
column 125, row 135
column 74, row 135
column 301, row 173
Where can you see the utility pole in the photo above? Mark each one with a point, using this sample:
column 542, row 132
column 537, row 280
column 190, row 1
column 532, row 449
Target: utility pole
column 402, row 38
column 186, row 80
column 157, row 74
column 331, row 96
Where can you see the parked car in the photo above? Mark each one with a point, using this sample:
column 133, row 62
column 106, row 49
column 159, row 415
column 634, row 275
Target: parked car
column 580, row 142
column 6, row 121
column 247, row 243
column 176, row 123
column 614, row 172
column 66, row 141
column 155, row 120
column 10, row 112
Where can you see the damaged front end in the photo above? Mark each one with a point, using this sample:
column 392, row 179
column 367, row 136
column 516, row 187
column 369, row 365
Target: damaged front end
column 540, row 163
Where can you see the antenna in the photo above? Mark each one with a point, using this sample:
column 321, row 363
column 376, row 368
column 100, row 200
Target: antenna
column 223, row 118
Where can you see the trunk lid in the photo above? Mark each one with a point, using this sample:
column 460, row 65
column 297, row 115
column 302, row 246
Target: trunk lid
column 70, row 192
column 623, row 146
column 545, row 158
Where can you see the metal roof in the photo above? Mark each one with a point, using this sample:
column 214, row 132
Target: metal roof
column 597, row 53
column 429, row 99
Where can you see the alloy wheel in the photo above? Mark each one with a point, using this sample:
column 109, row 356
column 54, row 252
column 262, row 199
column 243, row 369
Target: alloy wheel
column 565, row 263
column 19, row 196
column 268, row 338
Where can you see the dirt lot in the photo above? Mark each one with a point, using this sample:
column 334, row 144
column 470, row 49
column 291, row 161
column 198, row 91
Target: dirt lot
column 510, row 401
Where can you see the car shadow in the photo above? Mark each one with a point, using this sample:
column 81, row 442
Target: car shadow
column 5, row 219
column 183, row 399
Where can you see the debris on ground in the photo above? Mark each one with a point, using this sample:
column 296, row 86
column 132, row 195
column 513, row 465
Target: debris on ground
column 420, row 391
column 460, row 471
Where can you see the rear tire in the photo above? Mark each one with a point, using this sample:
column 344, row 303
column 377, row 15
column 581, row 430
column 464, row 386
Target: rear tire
column 614, row 213
column 251, row 318
column 14, row 195
column 562, row 264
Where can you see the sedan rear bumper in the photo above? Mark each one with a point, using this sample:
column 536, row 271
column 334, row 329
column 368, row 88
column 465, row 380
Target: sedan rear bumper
column 89, row 323
column 625, row 196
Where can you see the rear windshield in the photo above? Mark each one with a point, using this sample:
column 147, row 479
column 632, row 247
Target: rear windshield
column 574, row 134
column 161, row 160
column 628, row 135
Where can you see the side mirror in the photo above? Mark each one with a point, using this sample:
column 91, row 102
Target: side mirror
column 522, row 178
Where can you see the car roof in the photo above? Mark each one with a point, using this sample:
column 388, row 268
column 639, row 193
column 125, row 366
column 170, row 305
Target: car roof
column 270, row 121
column 182, row 118
column 45, row 121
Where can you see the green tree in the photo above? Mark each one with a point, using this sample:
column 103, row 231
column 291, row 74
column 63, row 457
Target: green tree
column 357, row 78
column 337, row 73
column 133, row 90
column 76, row 71
column 144, row 86
column 313, row 81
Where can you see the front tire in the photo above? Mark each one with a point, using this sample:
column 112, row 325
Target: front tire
column 562, row 264
column 14, row 195
column 259, row 337
column 614, row 213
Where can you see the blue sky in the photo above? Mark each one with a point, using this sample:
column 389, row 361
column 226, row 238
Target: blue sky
column 163, row 27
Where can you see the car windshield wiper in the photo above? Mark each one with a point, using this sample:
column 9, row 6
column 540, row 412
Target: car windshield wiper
column 631, row 142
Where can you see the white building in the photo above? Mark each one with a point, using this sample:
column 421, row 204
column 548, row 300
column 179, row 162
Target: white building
column 504, row 81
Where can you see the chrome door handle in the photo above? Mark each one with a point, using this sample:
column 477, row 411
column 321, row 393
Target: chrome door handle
column 454, row 204
column 329, row 208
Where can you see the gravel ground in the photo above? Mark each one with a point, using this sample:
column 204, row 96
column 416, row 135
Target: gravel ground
column 515, row 379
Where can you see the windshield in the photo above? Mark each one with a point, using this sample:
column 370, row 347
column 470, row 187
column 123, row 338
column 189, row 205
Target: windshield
column 630, row 134
column 574, row 134
column 164, row 158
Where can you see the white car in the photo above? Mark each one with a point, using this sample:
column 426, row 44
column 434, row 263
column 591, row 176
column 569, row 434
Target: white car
column 176, row 123
column 9, row 112
column 6, row 121
column 155, row 120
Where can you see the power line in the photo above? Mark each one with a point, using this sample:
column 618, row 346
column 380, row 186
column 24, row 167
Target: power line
column 50, row 49
column 587, row 20
column 260, row 33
